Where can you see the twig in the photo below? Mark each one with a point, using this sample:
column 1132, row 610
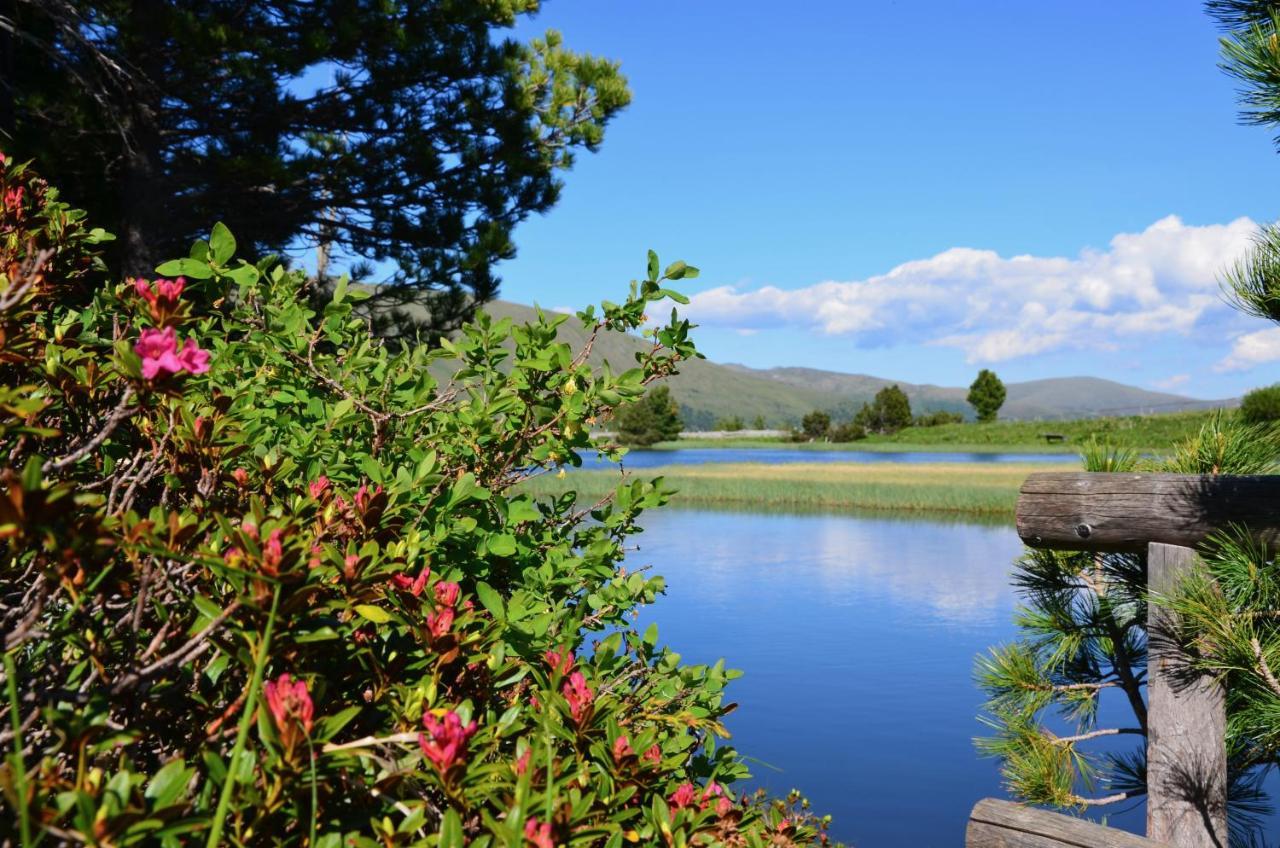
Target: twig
column 1272, row 683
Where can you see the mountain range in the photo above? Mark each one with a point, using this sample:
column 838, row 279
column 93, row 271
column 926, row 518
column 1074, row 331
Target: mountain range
column 709, row 392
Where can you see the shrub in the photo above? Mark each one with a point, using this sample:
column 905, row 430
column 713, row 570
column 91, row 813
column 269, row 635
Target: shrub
column 986, row 395
column 651, row 419
column 815, row 425
column 888, row 412
column 847, row 432
column 732, row 424
column 938, row 419
column 1261, row 405
column 268, row 581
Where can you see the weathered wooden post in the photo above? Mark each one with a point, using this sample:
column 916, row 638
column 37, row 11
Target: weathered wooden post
column 1165, row 515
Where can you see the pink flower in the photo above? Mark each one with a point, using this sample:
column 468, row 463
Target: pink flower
column 723, row 806
column 713, row 790
column 445, row 742
column 161, row 355
column 290, row 706
column 447, row 593
column 273, row 552
column 241, row 477
column 522, row 764
column 413, row 585
column 622, row 749
column 233, row 556
column 162, row 296
column 559, row 661
column 364, row 496
column 13, row 198
column 318, row 486
column 654, row 754
column 683, row 796
column 579, row 696
column 439, row 624
column 538, row 835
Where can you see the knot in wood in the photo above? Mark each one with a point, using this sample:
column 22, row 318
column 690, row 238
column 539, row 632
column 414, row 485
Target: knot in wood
column 1083, row 531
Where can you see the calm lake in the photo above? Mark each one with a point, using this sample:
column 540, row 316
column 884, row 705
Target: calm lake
column 773, row 456
column 857, row 635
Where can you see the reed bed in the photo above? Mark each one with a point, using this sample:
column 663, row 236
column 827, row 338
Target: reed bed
column 960, row 488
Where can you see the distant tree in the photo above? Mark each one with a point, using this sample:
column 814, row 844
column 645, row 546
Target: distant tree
column 757, row 423
column 848, row 432
column 888, row 412
column 816, row 425
column 732, row 424
column 986, row 395
column 651, row 419
column 1261, row 405
column 937, row 419
column 427, row 136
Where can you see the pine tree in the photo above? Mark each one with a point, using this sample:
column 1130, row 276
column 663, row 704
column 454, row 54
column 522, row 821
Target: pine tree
column 653, row 418
column 986, row 395
column 888, row 412
column 412, row 133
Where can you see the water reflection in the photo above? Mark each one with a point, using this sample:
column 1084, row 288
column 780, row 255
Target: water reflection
column 857, row 635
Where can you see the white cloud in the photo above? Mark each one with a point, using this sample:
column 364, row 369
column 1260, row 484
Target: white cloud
column 1252, row 349
column 994, row 308
column 1171, row 382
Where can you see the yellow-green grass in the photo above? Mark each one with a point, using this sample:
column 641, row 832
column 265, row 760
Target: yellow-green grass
column 936, row 487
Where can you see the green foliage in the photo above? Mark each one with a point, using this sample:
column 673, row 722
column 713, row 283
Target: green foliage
column 1227, row 445
column 848, row 432
column 937, row 419
column 427, row 138
column 757, row 423
column 815, row 425
column 651, row 419
column 274, row 583
column 889, row 412
column 732, row 424
column 986, row 395
column 1261, row 405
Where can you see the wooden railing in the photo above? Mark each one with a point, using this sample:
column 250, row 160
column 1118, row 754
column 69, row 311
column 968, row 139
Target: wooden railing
column 1165, row 516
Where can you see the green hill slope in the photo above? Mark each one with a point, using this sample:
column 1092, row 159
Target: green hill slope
column 708, row 391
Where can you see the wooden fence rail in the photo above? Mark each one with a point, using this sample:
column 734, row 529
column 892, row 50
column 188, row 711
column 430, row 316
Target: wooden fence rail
column 1164, row 516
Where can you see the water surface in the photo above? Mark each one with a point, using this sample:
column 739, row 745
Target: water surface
column 857, row 635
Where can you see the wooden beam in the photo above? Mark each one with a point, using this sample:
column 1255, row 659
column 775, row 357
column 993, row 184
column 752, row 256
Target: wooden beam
column 1124, row 512
column 1002, row 824
column 1186, row 726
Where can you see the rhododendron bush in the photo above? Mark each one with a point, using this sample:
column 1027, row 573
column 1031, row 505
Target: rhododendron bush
column 271, row 581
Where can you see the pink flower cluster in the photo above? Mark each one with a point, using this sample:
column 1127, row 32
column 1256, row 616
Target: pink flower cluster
column 440, row 622
column 161, row 356
column 686, row 795
column 579, row 695
column 290, row 706
column 538, row 835
column 445, row 742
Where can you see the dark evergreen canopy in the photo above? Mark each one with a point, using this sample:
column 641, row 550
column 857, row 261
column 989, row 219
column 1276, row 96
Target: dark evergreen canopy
column 387, row 129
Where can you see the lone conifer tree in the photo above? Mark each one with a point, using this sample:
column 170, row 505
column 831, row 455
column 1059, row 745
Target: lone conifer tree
column 986, row 395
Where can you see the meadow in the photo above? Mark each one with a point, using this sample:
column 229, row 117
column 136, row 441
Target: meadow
column 1144, row 433
column 951, row 487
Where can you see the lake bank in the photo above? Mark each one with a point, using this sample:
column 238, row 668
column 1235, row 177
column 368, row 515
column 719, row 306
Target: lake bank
column 980, row 489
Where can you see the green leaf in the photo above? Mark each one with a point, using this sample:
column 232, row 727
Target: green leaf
column 375, row 614
column 653, row 267
column 491, row 600
column 502, row 544
column 169, row 784
column 185, row 268
column 222, row 245
column 245, row 275
column 340, row 290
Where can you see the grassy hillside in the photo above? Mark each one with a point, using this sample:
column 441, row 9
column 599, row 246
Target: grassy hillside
column 708, row 391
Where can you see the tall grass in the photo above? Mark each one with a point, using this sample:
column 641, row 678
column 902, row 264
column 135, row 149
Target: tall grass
column 958, row 488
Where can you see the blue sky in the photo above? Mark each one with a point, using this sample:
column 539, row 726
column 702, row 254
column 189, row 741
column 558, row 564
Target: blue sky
column 855, row 180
